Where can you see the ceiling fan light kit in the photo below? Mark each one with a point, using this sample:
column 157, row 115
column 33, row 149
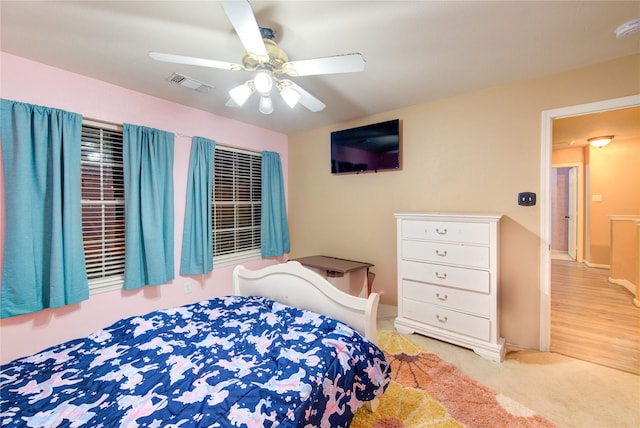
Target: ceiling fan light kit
column 266, row 104
column 289, row 96
column 263, row 82
column 240, row 94
column 264, row 57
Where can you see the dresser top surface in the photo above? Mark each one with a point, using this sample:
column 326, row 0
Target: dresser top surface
column 450, row 216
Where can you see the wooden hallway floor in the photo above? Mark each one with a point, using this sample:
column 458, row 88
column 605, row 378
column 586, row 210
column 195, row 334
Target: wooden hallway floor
column 592, row 319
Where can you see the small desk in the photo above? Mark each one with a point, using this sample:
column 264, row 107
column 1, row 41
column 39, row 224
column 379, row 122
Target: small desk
column 347, row 275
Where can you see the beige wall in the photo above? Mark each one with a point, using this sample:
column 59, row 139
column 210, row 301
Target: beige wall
column 473, row 152
column 615, row 177
column 574, row 155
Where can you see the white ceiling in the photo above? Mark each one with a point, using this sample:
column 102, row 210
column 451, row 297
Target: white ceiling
column 415, row 51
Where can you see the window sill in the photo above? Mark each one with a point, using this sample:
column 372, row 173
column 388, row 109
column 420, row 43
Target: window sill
column 235, row 259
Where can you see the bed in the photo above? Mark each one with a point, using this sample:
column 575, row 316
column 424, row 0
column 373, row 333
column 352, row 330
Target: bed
column 262, row 357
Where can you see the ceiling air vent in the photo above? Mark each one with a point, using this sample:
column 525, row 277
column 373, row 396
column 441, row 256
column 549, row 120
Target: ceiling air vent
column 190, row 83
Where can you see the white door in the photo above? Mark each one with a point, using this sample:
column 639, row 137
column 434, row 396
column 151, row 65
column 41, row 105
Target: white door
column 573, row 214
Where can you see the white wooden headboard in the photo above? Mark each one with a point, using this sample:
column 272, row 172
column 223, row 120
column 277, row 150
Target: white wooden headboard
column 294, row 285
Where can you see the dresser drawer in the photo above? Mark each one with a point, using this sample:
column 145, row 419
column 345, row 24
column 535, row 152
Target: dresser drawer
column 440, row 252
column 437, row 316
column 465, row 301
column 472, row 233
column 449, row 276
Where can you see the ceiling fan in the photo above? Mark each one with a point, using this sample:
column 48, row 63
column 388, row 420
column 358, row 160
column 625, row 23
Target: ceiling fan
column 270, row 64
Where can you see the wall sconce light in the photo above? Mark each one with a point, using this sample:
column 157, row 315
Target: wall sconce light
column 600, row 141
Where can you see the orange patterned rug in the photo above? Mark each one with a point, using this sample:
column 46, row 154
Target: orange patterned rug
column 426, row 391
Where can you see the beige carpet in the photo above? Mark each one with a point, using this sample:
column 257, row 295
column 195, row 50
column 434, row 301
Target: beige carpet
column 426, row 391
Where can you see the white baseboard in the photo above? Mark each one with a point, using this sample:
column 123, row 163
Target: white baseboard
column 626, row 284
column 595, row 265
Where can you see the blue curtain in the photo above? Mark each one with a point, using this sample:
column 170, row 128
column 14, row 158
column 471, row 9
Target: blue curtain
column 148, row 189
column 43, row 254
column 274, row 229
column 197, row 242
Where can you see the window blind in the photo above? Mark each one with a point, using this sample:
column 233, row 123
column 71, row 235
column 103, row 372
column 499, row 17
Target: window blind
column 236, row 204
column 102, row 187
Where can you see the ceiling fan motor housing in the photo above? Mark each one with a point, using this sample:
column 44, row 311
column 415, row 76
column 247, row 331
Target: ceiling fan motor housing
column 277, row 58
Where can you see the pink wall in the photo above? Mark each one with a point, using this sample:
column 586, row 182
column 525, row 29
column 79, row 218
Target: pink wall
column 30, row 82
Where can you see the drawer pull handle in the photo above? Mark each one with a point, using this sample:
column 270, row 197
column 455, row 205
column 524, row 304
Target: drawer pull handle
column 441, row 275
column 441, row 253
column 443, row 320
column 442, row 298
column 441, row 232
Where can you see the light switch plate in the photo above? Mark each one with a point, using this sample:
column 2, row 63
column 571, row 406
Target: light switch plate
column 526, row 199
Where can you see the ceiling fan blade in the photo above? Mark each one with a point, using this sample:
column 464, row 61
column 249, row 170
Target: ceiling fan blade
column 308, row 100
column 349, row 63
column 189, row 60
column 244, row 22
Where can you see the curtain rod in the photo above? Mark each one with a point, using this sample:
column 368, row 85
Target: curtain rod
column 226, row 146
column 120, row 127
column 116, row 126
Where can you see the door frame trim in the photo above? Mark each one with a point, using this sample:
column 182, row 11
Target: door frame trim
column 545, row 197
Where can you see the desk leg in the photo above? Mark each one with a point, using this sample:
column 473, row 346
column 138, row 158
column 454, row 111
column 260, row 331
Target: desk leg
column 369, row 278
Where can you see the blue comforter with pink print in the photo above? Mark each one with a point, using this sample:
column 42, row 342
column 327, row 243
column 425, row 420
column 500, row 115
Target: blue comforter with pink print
column 226, row 362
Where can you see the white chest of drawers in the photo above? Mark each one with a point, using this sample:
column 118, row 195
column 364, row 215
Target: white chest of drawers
column 448, row 279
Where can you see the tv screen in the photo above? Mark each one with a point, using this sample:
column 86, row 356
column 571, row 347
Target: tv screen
column 374, row 147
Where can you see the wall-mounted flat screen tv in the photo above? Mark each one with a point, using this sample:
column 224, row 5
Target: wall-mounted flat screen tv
column 374, row 147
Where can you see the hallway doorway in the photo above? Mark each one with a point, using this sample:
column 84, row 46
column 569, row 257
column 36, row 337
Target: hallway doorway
column 566, row 212
column 548, row 118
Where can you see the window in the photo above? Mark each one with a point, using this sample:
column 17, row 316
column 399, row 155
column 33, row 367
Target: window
column 236, row 205
column 102, row 186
